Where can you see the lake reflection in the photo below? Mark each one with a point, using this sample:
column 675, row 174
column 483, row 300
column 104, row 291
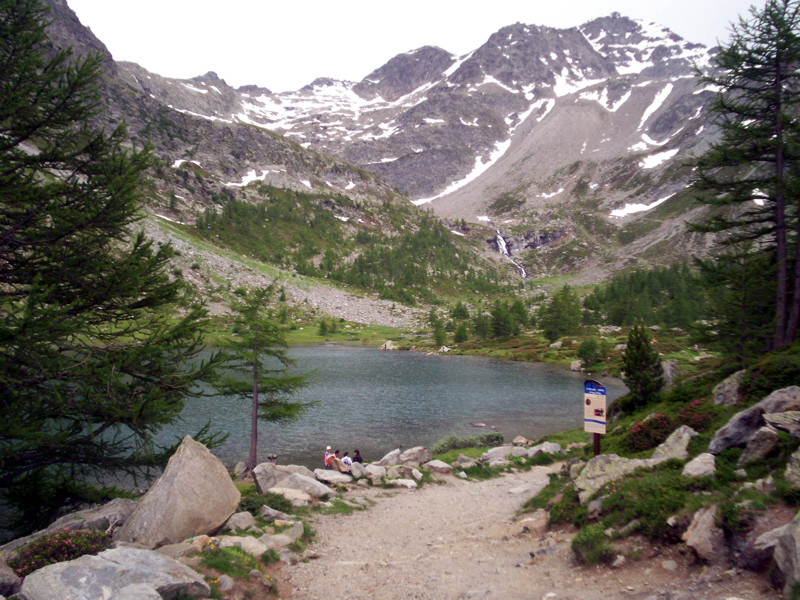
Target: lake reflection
column 380, row 400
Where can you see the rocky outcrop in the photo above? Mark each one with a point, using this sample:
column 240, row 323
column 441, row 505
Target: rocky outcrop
column 9, row 582
column 788, row 421
column 121, row 573
column 760, row 444
column 787, row 555
column 194, row 495
column 606, row 468
column 704, row 537
column 742, row 426
column 726, row 393
column 793, row 469
column 675, row 446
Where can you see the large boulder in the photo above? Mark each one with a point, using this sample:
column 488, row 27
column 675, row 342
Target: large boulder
column 787, row 555
column 705, row 537
column 357, row 470
column 741, row 427
column 438, row 466
column 415, row 456
column 726, row 393
column 121, row 573
column 194, row 496
column 601, row 470
column 267, row 475
column 9, row 582
column 760, row 444
column 329, row 476
column 501, row 452
column 309, row 485
column 546, row 447
column 392, row 458
column 375, row 473
column 793, row 469
column 788, row 421
column 676, row 445
column 702, row 465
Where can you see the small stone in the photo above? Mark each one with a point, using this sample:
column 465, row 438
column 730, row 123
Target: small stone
column 669, row 565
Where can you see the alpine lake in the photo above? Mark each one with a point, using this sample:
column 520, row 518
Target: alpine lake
column 377, row 401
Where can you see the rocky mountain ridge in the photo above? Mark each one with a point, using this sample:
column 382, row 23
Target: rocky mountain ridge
column 547, row 133
column 570, row 143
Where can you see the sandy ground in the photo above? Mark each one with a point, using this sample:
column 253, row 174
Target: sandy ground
column 467, row 540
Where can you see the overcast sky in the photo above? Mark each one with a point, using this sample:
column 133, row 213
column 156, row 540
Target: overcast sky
column 285, row 45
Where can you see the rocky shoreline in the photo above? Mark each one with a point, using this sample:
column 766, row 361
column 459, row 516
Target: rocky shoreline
column 159, row 540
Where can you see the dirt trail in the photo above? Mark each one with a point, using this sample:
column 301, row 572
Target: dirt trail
column 464, row 540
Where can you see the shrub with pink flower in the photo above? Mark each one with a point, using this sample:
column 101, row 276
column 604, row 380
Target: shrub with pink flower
column 56, row 547
column 650, row 432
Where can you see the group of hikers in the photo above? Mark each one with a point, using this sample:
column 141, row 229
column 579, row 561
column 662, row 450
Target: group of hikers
column 331, row 460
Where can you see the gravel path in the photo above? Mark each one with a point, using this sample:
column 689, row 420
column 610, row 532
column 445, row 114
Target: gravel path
column 463, row 540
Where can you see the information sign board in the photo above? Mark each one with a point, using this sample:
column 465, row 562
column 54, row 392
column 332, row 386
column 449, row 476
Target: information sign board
column 594, row 407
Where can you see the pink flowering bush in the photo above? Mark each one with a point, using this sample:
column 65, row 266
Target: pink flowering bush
column 58, row 547
column 650, row 432
column 697, row 414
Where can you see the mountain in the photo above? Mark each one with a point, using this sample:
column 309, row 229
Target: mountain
column 548, row 134
column 556, row 139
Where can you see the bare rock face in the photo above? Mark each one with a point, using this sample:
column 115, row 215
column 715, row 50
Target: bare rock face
column 194, row 496
column 742, row 426
column 121, row 573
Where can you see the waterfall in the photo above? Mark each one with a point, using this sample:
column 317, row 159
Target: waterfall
column 502, row 248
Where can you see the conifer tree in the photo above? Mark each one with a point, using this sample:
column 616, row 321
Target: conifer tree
column 751, row 174
column 95, row 354
column 642, row 368
column 255, row 366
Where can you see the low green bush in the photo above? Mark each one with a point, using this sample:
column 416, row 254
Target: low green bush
column 58, row 547
column 568, row 509
column 252, row 502
column 773, row 371
column 591, row 545
column 454, row 442
column 232, row 561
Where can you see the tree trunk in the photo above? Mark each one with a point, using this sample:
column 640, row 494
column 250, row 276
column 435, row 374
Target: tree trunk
column 251, row 461
column 781, row 269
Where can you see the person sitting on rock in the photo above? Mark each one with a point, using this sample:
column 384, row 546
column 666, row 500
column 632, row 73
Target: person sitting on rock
column 347, row 460
column 357, row 457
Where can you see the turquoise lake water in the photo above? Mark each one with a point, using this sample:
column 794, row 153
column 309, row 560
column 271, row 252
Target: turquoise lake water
column 380, row 400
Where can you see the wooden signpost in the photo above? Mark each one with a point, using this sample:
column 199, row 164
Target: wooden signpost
column 594, row 411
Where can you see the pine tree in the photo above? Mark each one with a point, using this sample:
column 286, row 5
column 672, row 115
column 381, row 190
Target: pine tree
column 255, row 367
column 95, row 354
column 561, row 315
column 642, row 368
column 751, row 173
